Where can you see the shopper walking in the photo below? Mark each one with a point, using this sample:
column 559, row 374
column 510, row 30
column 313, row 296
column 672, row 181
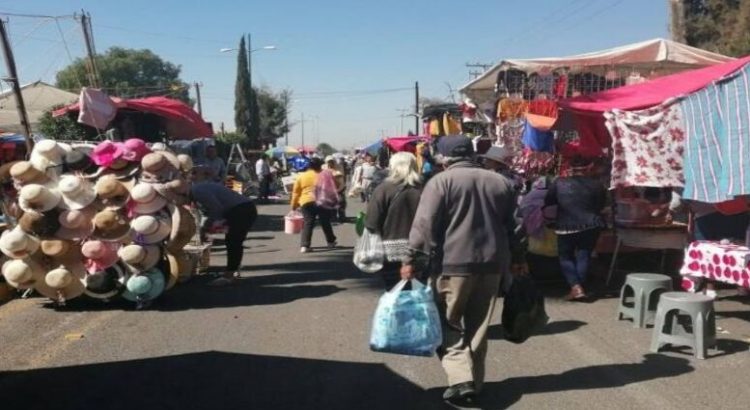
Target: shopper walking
column 579, row 199
column 339, row 176
column 464, row 226
column 391, row 211
column 303, row 198
column 263, row 171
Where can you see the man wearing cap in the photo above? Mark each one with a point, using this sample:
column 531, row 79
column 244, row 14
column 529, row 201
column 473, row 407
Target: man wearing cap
column 500, row 160
column 215, row 164
column 263, row 171
column 464, row 227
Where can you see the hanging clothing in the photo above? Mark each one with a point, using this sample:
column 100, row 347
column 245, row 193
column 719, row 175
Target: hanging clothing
column 717, row 151
column 537, row 139
column 450, row 125
column 436, row 127
column 547, row 108
column 511, row 109
column 647, row 146
column 561, row 86
column 97, row 109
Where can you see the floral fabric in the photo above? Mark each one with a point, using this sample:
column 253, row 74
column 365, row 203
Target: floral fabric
column 717, row 262
column 647, row 146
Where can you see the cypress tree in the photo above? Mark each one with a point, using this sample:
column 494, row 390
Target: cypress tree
column 243, row 96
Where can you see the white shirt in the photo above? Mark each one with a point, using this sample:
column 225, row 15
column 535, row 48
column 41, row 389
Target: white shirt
column 261, row 168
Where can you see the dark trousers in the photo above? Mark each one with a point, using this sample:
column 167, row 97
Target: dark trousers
column 575, row 251
column 341, row 211
column 239, row 221
column 311, row 212
column 265, row 187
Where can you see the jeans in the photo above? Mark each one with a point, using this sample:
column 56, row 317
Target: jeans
column 239, row 221
column 265, row 187
column 311, row 212
column 575, row 251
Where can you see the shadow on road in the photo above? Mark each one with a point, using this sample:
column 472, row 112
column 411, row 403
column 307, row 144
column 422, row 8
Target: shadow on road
column 495, row 332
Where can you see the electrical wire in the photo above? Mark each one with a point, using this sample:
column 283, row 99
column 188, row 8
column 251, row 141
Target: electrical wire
column 36, row 16
column 156, row 34
column 67, row 51
column 28, row 34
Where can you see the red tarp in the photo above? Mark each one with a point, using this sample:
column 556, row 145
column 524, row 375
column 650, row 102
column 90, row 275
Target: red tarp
column 181, row 121
column 399, row 144
column 654, row 92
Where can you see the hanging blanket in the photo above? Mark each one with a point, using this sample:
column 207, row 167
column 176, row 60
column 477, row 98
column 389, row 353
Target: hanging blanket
column 647, row 146
column 717, row 152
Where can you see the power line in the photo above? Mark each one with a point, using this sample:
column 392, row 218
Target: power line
column 35, row 16
column 156, row 34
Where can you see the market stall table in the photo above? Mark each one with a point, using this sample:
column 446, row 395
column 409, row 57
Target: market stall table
column 726, row 263
column 656, row 237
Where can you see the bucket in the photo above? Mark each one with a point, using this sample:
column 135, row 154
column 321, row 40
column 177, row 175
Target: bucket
column 293, row 223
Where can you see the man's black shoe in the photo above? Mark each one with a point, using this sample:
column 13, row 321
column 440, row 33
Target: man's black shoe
column 462, row 393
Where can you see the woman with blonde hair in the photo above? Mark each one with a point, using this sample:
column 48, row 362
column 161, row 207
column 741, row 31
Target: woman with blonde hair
column 391, row 211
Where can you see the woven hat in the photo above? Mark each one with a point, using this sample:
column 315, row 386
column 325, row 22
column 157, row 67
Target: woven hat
column 175, row 191
column 52, row 151
column 140, row 257
column 146, row 199
column 183, row 228
column 99, row 255
column 149, row 229
column 23, row 273
column 78, row 161
column 134, row 149
column 106, row 284
column 42, row 224
column 159, row 166
column 106, row 153
column 146, row 286
column 17, row 244
column 63, row 282
column 110, row 226
column 112, row 192
column 77, row 193
column 76, row 224
column 24, row 173
column 186, row 163
column 39, row 198
column 62, row 251
column 179, row 266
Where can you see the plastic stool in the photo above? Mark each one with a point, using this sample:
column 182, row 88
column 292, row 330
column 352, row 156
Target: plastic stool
column 645, row 287
column 669, row 330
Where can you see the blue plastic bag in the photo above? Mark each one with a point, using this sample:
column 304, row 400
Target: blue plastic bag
column 406, row 322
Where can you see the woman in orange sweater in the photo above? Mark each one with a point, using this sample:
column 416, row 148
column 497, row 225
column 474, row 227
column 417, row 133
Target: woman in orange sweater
column 303, row 198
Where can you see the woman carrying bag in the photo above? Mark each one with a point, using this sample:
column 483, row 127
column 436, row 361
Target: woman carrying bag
column 305, row 197
column 391, row 211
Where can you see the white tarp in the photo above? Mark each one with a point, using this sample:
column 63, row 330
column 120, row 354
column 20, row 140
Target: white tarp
column 658, row 54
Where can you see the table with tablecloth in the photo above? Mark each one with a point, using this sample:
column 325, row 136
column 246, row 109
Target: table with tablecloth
column 705, row 260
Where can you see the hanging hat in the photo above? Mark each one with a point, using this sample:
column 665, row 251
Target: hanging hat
column 107, row 153
column 77, row 160
column 99, row 255
column 110, row 226
column 64, row 282
column 179, row 267
column 77, row 193
column 76, row 224
column 42, row 224
column 52, row 151
column 148, row 229
column 159, row 167
column 183, row 228
column 17, row 244
column 24, row 173
column 5, row 175
column 146, row 286
column 140, row 258
column 23, row 273
column 38, row 198
column 106, row 284
column 186, row 163
column 146, row 199
column 175, row 191
column 112, row 192
column 134, row 150
column 62, row 251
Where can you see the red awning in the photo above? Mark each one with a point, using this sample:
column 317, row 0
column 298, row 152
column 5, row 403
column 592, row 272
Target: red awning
column 181, row 121
column 654, row 92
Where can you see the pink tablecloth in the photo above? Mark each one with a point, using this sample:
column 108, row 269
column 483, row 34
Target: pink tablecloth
column 717, row 262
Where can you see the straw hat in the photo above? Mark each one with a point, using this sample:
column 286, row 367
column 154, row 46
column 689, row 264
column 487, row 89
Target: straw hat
column 62, row 251
column 140, row 257
column 110, row 226
column 78, row 161
column 112, row 192
column 159, row 166
column 183, row 228
column 106, row 153
column 179, row 266
column 134, row 149
column 51, row 151
column 99, row 255
column 23, row 273
column 146, row 286
column 39, row 198
column 186, row 163
column 64, row 282
column 17, row 244
column 149, row 229
column 146, row 199
column 175, row 191
column 76, row 224
column 106, row 284
column 40, row 224
column 24, row 173
column 77, row 193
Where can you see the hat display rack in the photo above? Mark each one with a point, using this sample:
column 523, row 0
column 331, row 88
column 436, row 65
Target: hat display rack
column 102, row 221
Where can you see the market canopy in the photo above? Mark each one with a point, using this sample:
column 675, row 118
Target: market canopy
column 653, row 92
column 656, row 54
column 38, row 97
column 180, row 120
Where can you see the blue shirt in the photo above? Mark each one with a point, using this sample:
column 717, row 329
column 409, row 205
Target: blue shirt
column 215, row 200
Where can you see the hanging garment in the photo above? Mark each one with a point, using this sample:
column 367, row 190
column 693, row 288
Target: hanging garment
column 450, row 125
column 717, row 150
column 537, row 139
column 97, row 109
column 647, row 146
column 547, row 108
column 561, row 86
column 436, row 127
column 545, row 84
column 511, row 109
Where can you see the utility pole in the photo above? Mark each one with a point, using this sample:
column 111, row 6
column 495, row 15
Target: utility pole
column 416, row 108
column 223, row 134
column 10, row 63
column 475, row 73
column 93, row 71
column 198, row 97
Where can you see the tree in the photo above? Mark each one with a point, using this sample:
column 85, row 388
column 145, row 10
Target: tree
column 243, row 97
column 273, row 108
column 128, row 73
column 64, row 127
column 722, row 26
column 231, row 138
column 325, row 149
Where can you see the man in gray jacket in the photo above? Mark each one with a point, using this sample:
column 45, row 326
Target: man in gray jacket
column 464, row 226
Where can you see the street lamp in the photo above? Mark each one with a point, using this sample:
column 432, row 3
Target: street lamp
column 226, row 50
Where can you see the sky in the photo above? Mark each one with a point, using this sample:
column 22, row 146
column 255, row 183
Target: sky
column 351, row 64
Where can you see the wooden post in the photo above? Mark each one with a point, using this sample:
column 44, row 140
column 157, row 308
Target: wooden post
column 10, row 63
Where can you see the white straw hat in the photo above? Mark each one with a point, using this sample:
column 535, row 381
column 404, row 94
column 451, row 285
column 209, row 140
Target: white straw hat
column 76, row 192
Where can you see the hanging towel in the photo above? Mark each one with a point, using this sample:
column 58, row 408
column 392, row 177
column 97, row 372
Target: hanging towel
column 647, row 146
column 97, row 109
column 717, row 152
column 450, row 125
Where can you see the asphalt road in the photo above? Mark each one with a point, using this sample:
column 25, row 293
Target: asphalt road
column 292, row 334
